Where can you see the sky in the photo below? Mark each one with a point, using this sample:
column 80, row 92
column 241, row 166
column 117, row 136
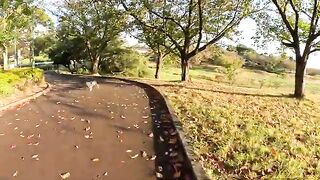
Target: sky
column 248, row 29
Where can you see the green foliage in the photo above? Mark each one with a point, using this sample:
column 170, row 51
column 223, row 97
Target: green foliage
column 231, row 61
column 242, row 49
column 228, row 60
column 127, row 63
column 43, row 44
column 19, row 79
column 67, row 51
column 183, row 25
column 96, row 23
column 171, row 60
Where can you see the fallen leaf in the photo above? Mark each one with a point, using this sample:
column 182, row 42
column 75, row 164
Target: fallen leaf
column 15, row 174
column 35, row 156
column 30, row 136
column 153, row 157
column 143, row 154
column 161, row 139
column 95, row 159
column 88, row 136
column 134, row 156
column 105, row 173
column 159, row 175
column 13, row 146
column 129, row 150
column 150, row 135
column 65, row 175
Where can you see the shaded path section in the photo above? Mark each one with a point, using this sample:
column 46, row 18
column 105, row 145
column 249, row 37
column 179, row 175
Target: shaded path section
column 113, row 132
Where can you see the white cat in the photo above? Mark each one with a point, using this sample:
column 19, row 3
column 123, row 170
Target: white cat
column 91, row 84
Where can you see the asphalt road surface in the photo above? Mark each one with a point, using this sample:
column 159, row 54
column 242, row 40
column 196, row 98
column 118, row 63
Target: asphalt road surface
column 119, row 131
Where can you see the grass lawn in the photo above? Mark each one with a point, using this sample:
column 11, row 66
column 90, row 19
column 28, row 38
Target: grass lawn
column 244, row 131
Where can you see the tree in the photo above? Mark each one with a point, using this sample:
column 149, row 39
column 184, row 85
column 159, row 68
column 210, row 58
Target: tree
column 191, row 26
column 295, row 23
column 43, row 43
column 68, row 51
column 9, row 11
column 15, row 17
column 96, row 22
column 156, row 41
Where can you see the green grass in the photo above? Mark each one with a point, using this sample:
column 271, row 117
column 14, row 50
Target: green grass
column 243, row 131
column 18, row 79
column 259, row 80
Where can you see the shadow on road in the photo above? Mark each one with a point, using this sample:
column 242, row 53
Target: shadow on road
column 172, row 161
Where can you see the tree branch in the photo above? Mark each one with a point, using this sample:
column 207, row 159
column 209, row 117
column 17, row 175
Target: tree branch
column 284, row 18
column 152, row 27
column 314, row 50
column 200, row 23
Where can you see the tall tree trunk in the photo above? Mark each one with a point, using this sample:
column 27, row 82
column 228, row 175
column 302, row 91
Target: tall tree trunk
column 95, row 65
column 184, row 69
column 5, row 58
column 299, row 77
column 159, row 63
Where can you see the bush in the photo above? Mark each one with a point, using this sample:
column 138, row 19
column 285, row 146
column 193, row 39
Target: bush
column 171, row 60
column 313, row 72
column 127, row 63
column 231, row 61
column 19, row 79
column 227, row 60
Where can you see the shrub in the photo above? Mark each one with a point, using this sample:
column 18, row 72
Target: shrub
column 228, row 59
column 313, row 72
column 231, row 61
column 18, row 79
column 128, row 63
column 171, row 60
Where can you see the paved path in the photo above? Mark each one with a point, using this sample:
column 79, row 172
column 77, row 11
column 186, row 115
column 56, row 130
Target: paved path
column 90, row 135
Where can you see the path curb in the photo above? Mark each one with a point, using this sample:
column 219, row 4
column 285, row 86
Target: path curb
column 25, row 100
column 198, row 171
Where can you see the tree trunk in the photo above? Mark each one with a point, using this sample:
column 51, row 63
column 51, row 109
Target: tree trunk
column 299, row 78
column 95, row 65
column 184, row 70
column 159, row 63
column 5, row 58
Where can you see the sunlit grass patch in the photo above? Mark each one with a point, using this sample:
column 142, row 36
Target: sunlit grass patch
column 18, row 79
column 236, row 134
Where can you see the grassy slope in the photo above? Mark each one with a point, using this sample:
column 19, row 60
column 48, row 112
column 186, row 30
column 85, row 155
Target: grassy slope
column 18, row 80
column 244, row 132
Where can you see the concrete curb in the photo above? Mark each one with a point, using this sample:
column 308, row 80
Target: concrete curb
column 25, row 100
column 198, row 171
